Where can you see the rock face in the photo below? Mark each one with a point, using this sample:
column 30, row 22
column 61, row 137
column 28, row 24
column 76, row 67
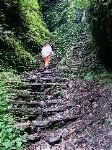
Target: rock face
column 101, row 25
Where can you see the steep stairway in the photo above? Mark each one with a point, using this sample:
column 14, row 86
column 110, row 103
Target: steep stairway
column 81, row 57
column 59, row 113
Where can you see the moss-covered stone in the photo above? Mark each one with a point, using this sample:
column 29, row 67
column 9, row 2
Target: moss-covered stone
column 22, row 33
column 13, row 52
column 37, row 31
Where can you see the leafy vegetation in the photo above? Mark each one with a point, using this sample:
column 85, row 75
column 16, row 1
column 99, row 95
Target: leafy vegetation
column 10, row 136
column 14, row 53
column 37, row 31
column 61, row 18
column 21, row 39
column 25, row 25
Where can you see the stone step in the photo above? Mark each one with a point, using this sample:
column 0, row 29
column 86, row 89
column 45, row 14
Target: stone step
column 42, row 86
column 25, row 111
column 38, row 103
column 53, row 109
column 30, row 103
column 47, row 105
column 33, row 138
column 59, row 119
column 55, row 79
column 39, row 108
column 35, row 78
column 23, row 125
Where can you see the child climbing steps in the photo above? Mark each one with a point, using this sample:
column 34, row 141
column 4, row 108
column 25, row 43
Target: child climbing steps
column 47, row 54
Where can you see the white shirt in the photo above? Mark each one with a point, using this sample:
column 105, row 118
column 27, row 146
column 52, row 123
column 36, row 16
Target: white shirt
column 46, row 51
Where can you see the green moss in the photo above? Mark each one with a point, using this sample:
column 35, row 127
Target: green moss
column 13, row 42
column 74, row 6
column 37, row 31
column 55, row 13
column 12, row 51
column 61, row 18
column 22, row 32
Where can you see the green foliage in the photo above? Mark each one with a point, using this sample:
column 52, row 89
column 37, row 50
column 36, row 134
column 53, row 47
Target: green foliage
column 109, row 121
column 22, row 32
column 89, row 76
column 10, row 137
column 67, row 35
column 60, row 17
column 82, row 3
column 37, row 31
column 76, row 5
column 14, row 51
column 55, row 13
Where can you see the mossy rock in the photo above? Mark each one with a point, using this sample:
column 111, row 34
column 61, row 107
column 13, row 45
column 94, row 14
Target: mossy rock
column 36, row 29
column 22, row 33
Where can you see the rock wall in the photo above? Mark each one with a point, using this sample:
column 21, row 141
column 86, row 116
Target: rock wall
column 101, row 26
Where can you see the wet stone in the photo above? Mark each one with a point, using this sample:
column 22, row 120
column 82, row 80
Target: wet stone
column 23, row 126
column 70, row 104
column 41, row 124
column 33, row 138
column 50, row 110
column 32, row 78
column 53, row 140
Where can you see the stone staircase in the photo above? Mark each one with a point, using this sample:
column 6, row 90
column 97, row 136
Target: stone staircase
column 41, row 105
column 58, row 113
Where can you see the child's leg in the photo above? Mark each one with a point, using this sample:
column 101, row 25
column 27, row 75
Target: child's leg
column 47, row 60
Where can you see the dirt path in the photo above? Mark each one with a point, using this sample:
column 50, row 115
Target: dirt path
column 63, row 114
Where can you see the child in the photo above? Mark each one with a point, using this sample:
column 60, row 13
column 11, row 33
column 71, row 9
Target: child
column 47, row 54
